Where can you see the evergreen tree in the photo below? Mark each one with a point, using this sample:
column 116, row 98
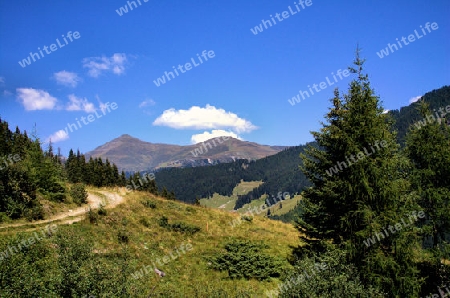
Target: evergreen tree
column 123, row 179
column 359, row 189
column 164, row 193
column 429, row 151
column 70, row 167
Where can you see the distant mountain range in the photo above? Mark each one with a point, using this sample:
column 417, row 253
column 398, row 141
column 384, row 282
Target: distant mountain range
column 131, row 154
column 279, row 172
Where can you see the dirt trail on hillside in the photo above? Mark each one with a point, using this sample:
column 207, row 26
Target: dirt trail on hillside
column 112, row 200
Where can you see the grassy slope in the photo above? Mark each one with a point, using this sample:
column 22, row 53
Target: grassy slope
column 228, row 202
column 189, row 274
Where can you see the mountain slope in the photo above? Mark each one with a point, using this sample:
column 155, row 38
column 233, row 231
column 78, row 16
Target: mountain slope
column 132, row 154
column 115, row 255
column 278, row 172
column 408, row 115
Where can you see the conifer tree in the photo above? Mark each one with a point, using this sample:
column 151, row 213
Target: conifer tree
column 123, row 179
column 164, row 193
column 359, row 189
column 428, row 148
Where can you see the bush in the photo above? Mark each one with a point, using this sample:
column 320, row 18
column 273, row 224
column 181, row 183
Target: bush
column 149, row 204
column 79, row 194
column 35, row 213
column 123, row 236
column 247, row 218
column 244, row 259
column 93, row 216
column 57, row 197
column 326, row 275
column 178, row 226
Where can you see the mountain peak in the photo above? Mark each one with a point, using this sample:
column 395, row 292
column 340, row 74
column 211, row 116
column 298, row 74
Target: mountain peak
column 126, row 136
column 132, row 154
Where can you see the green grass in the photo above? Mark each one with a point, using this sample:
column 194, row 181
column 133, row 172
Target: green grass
column 228, row 202
column 189, row 275
column 288, row 205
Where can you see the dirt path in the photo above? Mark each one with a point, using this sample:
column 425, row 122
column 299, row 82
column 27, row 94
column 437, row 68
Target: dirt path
column 112, row 200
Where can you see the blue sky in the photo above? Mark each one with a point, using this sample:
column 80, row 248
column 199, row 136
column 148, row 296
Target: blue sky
column 242, row 85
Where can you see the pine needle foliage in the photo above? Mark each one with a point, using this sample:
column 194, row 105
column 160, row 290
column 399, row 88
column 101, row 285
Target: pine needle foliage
column 368, row 191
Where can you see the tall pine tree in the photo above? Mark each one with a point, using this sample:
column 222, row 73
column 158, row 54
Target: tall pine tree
column 359, row 190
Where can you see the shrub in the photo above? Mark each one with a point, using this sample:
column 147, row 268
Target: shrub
column 123, row 236
column 244, row 259
column 333, row 277
column 178, row 226
column 57, row 197
column 79, row 194
column 247, row 218
column 93, row 216
column 149, row 204
column 35, row 213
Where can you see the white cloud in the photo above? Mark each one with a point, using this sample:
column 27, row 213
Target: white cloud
column 35, row 99
column 208, row 117
column 414, row 99
column 385, row 111
column 97, row 65
column 58, row 136
column 147, row 103
column 79, row 104
column 2, row 80
column 198, row 138
column 66, row 78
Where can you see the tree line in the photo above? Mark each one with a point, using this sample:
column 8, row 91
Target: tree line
column 30, row 174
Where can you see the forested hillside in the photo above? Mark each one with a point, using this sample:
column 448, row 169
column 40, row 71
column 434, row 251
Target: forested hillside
column 280, row 172
column 30, row 175
column 409, row 115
